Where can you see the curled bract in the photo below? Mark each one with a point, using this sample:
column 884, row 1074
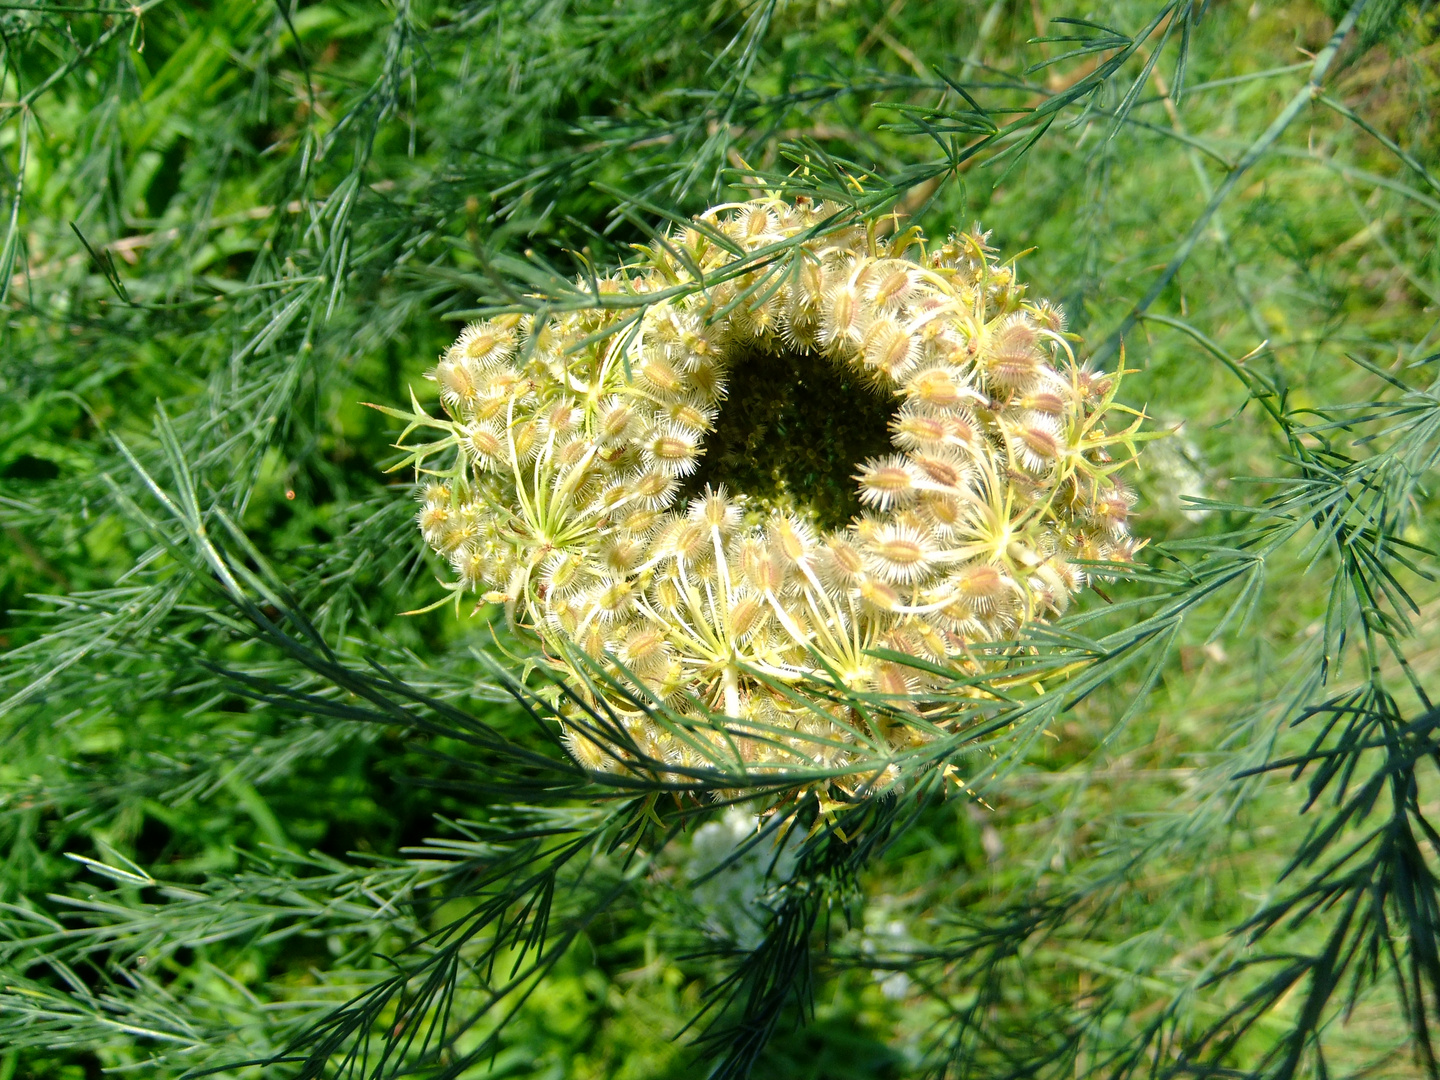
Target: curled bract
column 572, row 440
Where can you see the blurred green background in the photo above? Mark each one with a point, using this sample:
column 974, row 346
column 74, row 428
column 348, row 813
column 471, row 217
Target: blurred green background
column 255, row 218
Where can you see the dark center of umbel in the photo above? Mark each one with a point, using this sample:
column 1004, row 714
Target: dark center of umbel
column 793, row 429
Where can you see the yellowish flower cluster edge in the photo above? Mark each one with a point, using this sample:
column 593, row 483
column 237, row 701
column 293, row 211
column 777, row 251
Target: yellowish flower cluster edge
column 569, row 440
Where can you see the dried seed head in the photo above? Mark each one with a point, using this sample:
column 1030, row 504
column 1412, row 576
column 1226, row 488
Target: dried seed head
column 920, row 428
column 620, row 554
column 460, row 385
column 692, row 414
column 840, row 562
column 842, row 320
column 434, row 520
column 941, row 388
column 716, row 510
column 888, row 349
column 761, row 569
column 1036, row 442
column 561, row 418
column 748, row 617
column 645, row 651
column 660, row 375
column 485, row 444
column 887, row 482
column 1013, row 361
column 1050, row 316
column 1112, row 510
column 651, row 488
column 562, row 499
column 983, row 588
column 791, row 539
column 563, row 574
column 686, row 542
column 1047, row 402
column 486, row 343
column 611, row 599
column 672, row 449
column 877, row 595
column 892, row 283
column 944, row 469
column 900, row 554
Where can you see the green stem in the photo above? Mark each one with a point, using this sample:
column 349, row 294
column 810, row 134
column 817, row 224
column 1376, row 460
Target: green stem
column 1309, row 92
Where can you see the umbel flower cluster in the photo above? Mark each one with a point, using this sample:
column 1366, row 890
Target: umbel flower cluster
column 570, row 440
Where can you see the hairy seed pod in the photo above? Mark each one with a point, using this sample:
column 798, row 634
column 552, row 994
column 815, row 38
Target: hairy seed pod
column 889, row 481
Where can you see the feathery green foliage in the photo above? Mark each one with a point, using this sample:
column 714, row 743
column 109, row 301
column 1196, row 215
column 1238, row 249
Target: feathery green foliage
column 257, row 822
